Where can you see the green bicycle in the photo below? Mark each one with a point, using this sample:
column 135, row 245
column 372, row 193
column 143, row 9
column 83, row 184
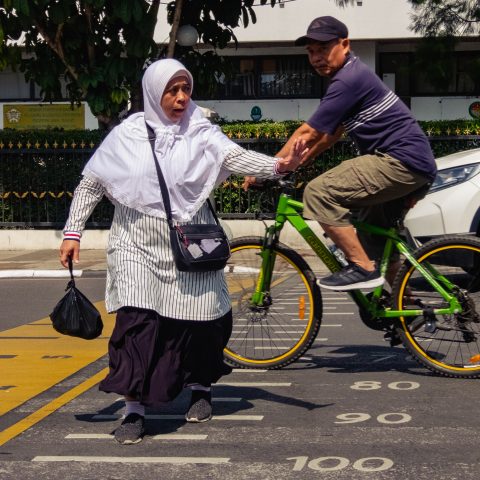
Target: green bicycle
column 277, row 305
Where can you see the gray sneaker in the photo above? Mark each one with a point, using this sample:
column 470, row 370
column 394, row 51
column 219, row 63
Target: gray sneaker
column 351, row 277
column 131, row 429
column 200, row 409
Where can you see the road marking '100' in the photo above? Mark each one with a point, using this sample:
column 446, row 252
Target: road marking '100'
column 331, row 464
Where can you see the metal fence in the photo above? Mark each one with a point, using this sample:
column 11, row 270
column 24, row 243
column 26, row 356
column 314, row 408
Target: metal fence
column 37, row 184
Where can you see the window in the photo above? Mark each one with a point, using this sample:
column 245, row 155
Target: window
column 395, row 72
column 14, row 86
column 468, row 73
column 457, row 74
column 271, row 77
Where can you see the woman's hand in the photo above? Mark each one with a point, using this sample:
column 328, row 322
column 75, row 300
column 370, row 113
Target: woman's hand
column 69, row 248
column 294, row 158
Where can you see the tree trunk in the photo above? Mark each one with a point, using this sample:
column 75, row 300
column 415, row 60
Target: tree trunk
column 105, row 122
column 173, row 31
column 136, row 99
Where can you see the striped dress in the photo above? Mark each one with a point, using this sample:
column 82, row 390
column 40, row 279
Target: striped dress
column 140, row 268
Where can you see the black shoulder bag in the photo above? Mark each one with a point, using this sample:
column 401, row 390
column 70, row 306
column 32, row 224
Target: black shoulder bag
column 196, row 247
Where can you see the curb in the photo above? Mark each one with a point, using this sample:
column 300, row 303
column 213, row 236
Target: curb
column 24, row 273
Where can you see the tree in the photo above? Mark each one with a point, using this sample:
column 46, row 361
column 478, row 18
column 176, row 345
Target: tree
column 442, row 23
column 453, row 18
column 101, row 47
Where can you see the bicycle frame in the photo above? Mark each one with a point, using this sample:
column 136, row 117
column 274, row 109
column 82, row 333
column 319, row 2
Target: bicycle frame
column 289, row 210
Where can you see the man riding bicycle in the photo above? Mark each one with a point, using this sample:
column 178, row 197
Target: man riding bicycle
column 395, row 156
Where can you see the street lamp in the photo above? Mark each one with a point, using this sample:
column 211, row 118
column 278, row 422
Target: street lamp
column 187, row 36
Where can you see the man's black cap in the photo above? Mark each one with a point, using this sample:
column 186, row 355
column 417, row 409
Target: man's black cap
column 323, row 29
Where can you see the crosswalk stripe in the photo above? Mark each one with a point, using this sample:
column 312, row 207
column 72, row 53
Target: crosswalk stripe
column 249, row 370
column 227, row 399
column 339, row 313
column 163, row 436
column 172, row 460
column 182, row 417
column 254, row 384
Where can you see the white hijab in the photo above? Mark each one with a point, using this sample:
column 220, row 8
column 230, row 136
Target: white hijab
column 190, row 153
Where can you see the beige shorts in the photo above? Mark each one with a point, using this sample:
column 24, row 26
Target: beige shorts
column 370, row 188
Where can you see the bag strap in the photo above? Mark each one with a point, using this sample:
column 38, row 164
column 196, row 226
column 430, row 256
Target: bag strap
column 71, row 283
column 163, row 185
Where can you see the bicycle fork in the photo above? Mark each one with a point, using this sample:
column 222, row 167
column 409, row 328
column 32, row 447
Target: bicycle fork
column 261, row 297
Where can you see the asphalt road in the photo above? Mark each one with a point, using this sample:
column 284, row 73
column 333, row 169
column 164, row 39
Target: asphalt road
column 351, row 408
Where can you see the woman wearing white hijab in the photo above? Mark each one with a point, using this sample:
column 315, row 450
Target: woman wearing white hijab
column 171, row 326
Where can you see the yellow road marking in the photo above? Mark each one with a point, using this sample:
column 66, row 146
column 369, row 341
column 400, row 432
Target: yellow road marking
column 44, row 357
column 35, row 417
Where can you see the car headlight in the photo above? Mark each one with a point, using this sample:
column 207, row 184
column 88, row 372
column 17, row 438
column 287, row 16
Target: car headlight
column 453, row 176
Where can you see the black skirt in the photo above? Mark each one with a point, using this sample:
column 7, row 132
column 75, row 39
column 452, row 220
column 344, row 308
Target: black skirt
column 152, row 358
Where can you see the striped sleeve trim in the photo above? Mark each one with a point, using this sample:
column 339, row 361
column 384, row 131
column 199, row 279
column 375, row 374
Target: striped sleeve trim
column 72, row 236
column 276, row 168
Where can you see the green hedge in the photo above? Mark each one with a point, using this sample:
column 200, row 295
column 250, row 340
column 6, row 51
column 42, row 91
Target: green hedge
column 10, row 138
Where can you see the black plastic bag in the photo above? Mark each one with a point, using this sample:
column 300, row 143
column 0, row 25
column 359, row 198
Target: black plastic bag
column 75, row 314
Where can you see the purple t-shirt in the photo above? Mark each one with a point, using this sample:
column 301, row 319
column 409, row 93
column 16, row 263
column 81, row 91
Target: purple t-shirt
column 374, row 117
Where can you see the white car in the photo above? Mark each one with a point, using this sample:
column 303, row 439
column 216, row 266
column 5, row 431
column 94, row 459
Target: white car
column 452, row 204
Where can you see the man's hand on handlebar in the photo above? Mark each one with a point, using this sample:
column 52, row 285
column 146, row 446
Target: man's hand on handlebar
column 287, row 164
column 251, row 182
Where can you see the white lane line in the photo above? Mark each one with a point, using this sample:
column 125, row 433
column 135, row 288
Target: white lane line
column 272, row 325
column 227, row 399
column 173, row 460
column 248, row 370
column 279, row 347
column 182, row 417
column 266, row 339
column 164, row 436
column 337, row 303
column 288, row 331
column 286, row 303
column 339, row 313
column 218, row 399
column 290, row 325
column 253, row 384
column 251, row 418
column 180, row 436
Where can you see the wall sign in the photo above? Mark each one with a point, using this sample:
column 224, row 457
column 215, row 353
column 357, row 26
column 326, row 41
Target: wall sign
column 23, row 116
column 256, row 113
column 474, row 110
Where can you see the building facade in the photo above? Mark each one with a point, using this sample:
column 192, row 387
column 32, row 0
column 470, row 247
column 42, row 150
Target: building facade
column 273, row 80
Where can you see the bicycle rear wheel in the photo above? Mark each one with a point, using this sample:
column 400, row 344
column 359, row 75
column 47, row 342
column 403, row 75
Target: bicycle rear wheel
column 446, row 344
column 280, row 331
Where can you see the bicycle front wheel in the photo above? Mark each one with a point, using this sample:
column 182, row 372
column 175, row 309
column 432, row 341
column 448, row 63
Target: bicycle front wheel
column 446, row 344
column 278, row 332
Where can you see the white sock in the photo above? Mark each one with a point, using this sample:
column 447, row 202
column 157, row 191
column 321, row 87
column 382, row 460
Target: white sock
column 197, row 386
column 134, row 406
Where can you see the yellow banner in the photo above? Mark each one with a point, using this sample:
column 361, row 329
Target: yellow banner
column 43, row 115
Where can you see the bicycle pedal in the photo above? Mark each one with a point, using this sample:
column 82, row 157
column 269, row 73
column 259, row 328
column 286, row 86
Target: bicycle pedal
column 392, row 338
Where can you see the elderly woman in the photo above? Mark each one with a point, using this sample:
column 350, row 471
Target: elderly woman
column 171, row 326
